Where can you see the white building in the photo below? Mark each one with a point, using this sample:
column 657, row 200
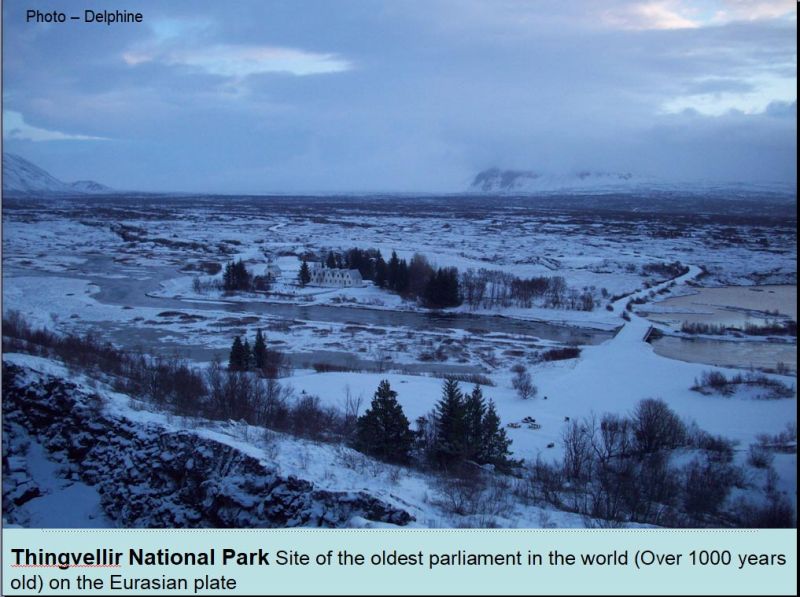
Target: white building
column 334, row 277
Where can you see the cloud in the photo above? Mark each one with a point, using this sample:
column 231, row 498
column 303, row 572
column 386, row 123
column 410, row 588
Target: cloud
column 752, row 10
column 15, row 128
column 659, row 14
column 240, row 61
column 749, row 94
column 682, row 14
column 359, row 94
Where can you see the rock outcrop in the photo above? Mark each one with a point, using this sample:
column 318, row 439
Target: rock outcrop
column 150, row 475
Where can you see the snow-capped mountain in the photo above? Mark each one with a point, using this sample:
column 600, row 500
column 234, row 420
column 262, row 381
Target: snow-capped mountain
column 495, row 180
column 22, row 177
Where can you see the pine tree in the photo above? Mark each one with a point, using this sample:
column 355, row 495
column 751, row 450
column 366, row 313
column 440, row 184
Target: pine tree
column 495, row 443
column 242, row 277
column 238, row 357
column 381, row 271
column 383, row 430
column 331, row 260
column 451, row 427
column 431, row 297
column 391, row 271
column 450, row 295
column 304, row 275
column 402, row 278
column 227, row 277
column 474, row 414
column 259, row 352
column 247, row 355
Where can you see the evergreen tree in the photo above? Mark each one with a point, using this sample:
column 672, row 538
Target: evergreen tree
column 402, row 279
column 244, row 278
column 442, row 289
column 451, row 425
column 259, row 352
column 391, row 271
column 247, row 355
column 331, row 261
column 227, row 277
column 381, row 271
column 474, row 414
column 236, row 276
column 304, row 275
column 432, row 295
column 450, row 293
column 383, row 430
column 238, row 357
column 495, row 443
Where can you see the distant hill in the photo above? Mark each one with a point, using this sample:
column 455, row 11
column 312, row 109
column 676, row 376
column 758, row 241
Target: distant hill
column 495, row 180
column 90, row 186
column 24, row 178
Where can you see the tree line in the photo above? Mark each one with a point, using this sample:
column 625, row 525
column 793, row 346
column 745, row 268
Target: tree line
column 444, row 287
column 260, row 358
column 488, row 289
column 237, row 277
column 620, row 469
column 461, row 429
column 617, row 469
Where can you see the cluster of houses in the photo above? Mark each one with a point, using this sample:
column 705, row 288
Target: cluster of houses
column 334, row 277
column 321, row 275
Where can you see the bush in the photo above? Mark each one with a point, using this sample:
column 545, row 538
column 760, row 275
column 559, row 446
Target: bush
column 308, row 418
column 715, row 381
column 706, row 486
column 657, row 427
column 523, row 384
column 760, row 456
column 717, row 448
column 777, row 513
column 558, row 354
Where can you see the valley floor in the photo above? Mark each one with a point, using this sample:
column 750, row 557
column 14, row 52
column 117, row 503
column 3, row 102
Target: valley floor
column 127, row 274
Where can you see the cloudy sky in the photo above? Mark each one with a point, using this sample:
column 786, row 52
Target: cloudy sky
column 403, row 95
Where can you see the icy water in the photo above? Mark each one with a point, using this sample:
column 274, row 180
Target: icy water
column 133, row 293
column 132, row 290
column 131, row 286
column 731, row 306
column 728, row 353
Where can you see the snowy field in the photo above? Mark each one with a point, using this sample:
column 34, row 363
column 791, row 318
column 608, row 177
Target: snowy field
column 138, row 273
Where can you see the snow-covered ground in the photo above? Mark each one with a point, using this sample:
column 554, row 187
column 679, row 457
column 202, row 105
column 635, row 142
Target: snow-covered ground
column 127, row 271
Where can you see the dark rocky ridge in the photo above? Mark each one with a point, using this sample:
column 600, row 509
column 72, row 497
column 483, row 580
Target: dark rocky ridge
column 150, row 476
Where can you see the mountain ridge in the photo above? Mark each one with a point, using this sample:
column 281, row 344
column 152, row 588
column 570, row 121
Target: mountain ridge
column 23, row 177
column 532, row 182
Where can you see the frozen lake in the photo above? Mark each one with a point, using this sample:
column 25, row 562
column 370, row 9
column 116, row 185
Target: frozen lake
column 731, row 306
column 728, row 353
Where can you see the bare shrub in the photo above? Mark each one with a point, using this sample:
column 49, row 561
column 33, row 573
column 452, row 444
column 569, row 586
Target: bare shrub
column 760, row 456
column 577, row 439
column 657, row 427
column 523, row 384
column 777, row 513
column 460, row 495
column 716, row 447
column 706, row 485
column 559, row 354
